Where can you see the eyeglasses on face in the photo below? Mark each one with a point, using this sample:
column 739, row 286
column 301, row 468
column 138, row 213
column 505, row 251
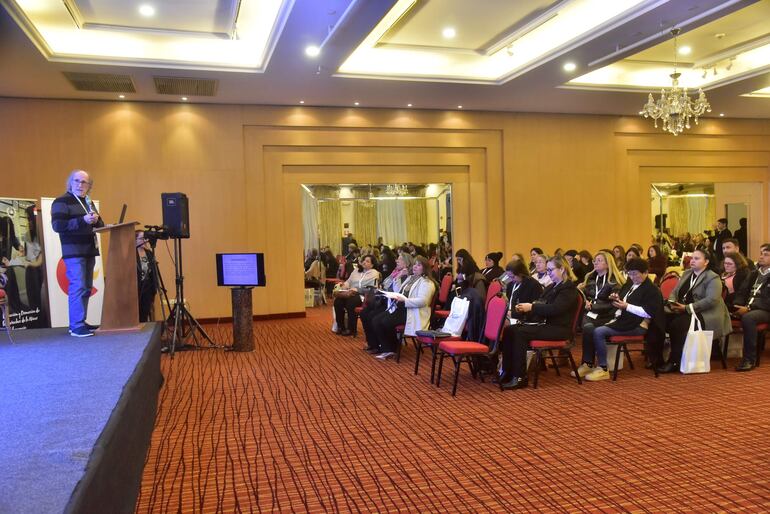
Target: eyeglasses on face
column 78, row 182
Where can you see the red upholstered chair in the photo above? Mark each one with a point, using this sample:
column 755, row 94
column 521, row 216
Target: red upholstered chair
column 622, row 343
column 443, row 294
column 470, row 351
column 6, row 316
column 667, row 284
column 738, row 329
column 400, row 332
column 563, row 347
column 493, row 290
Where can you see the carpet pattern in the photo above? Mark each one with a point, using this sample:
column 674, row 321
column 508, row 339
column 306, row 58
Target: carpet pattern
column 308, row 422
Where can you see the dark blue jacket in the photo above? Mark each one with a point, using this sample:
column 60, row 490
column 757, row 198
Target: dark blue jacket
column 77, row 237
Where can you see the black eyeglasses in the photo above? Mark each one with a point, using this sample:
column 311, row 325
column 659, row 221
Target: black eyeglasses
column 76, row 181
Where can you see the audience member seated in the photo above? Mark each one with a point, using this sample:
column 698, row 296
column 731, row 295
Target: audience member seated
column 350, row 294
column 752, row 307
column 314, row 274
column 540, row 273
column 551, row 318
column 735, row 269
column 599, row 285
column 657, row 262
column 468, row 274
column 587, row 260
column 493, row 269
column 638, row 308
column 519, row 257
column 620, row 256
column 411, row 308
column 394, row 283
column 387, row 261
column 731, row 245
column 576, row 264
column 698, row 292
column 534, row 252
column 521, row 288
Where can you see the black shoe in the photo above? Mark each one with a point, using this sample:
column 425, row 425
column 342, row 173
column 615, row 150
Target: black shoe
column 745, row 365
column 373, row 351
column 648, row 365
column 345, row 332
column 500, row 379
column 669, row 367
column 91, row 327
column 515, row 383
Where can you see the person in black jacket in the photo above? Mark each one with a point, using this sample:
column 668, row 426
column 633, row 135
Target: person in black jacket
column 741, row 235
column 638, row 308
column 752, row 307
column 721, row 233
column 520, row 288
column 578, row 268
column 493, row 269
column 734, row 270
column 552, row 317
column 74, row 217
column 603, row 281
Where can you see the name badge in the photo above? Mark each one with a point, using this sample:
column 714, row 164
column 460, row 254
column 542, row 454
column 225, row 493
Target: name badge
column 591, row 315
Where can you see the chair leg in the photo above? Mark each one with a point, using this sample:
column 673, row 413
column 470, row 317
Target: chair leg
column 554, row 363
column 399, row 344
column 722, row 355
column 457, row 362
column 573, row 366
column 440, row 366
column 418, row 354
column 617, row 362
column 538, row 362
column 725, row 346
column 760, row 346
column 434, row 350
column 624, row 347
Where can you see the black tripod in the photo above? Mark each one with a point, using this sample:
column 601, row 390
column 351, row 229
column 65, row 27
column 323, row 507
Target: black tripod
column 158, row 285
column 185, row 325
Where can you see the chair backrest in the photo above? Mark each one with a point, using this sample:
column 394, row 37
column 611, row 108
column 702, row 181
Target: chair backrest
column 446, row 285
column 495, row 319
column 494, row 287
column 667, row 285
column 581, row 303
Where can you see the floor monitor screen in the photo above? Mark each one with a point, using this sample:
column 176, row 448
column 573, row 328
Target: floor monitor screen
column 240, row 269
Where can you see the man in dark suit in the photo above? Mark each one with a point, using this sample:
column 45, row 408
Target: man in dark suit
column 721, row 233
column 752, row 307
column 732, row 245
column 742, row 235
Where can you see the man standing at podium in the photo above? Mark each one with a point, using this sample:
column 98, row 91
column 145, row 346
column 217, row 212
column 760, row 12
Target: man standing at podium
column 74, row 217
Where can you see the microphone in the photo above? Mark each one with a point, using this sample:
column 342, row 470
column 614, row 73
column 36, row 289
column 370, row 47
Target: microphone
column 91, row 208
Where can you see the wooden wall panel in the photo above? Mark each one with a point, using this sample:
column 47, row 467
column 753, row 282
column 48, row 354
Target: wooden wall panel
column 519, row 180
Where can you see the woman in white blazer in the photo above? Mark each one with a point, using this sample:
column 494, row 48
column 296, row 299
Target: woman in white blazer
column 411, row 309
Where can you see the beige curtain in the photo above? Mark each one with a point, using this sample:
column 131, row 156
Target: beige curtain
column 691, row 214
column 391, row 223
column 365, row 219
column 330, row 224
column 309, row 220
column 677, row 216
column 416, row 214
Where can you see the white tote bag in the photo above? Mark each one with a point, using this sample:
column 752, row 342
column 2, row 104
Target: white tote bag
column 696, row 355
column 458, row 314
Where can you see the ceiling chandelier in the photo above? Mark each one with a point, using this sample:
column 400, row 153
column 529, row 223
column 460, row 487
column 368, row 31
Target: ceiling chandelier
column 397, row 190
column 675, row 107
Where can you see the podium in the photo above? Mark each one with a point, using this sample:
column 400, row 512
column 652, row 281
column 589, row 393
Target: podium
column 120, row 307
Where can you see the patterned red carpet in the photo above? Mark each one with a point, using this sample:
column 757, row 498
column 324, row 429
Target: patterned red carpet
column 310, row 423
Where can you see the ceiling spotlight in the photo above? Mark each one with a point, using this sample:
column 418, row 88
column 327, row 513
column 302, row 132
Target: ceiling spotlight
column 721, row 115
column 184, row 98
column 121, row 96
column 146, row 10
column 685, row 50
column 312, row 51
column 459, row 106
column 356, row 104
column 408, row 105
column 570, row 66
column 705, row 72
column 730, row 64
column 715, row 71
column 449, row 32
column 302, row 101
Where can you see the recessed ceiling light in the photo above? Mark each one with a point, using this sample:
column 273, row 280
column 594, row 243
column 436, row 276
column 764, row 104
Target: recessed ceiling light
column 459, row 106
column 312, row 51
column 184, row 98
column 356, row 103
column 408, row 105
column 721, row 114
column 146, row 10
column 449, row 32
column 685, row 50
column 569, row 66
column 301, row 101
column 121, row 96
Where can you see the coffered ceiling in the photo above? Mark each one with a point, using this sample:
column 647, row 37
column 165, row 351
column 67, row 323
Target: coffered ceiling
column 495, row 55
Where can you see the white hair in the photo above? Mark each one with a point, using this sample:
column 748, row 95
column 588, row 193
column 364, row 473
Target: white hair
column 68, row 185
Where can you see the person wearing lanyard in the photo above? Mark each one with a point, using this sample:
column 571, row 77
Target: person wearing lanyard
column 637, row 307
column 699, row 292
column 348, row 297
column 74, row 217
column 394, row 283
column 604, row 280
column 752, row 307
column 521, row 288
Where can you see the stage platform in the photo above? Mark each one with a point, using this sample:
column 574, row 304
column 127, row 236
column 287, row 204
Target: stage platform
column 76, row 417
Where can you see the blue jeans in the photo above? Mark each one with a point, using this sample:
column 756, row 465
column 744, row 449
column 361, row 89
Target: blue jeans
column 80, row 275
column 601, row 334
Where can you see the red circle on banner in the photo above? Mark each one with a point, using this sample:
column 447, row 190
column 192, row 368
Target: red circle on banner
column 61, row 278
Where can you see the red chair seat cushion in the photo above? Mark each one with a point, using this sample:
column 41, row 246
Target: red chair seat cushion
column 400, row 328
column 458, row 347
column 431, row 341
column 626, row 339
column 539, row 345
column 358, row 310
column 2, row 293
column 762, row 327
column 736, row 323
column 333, row 280
column 441, row 314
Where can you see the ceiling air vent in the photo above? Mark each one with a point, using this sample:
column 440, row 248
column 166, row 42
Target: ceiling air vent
column 104, row 82
column 185, row 86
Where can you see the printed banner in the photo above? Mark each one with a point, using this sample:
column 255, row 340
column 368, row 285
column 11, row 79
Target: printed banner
column 57, row 278
column 21, row 264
